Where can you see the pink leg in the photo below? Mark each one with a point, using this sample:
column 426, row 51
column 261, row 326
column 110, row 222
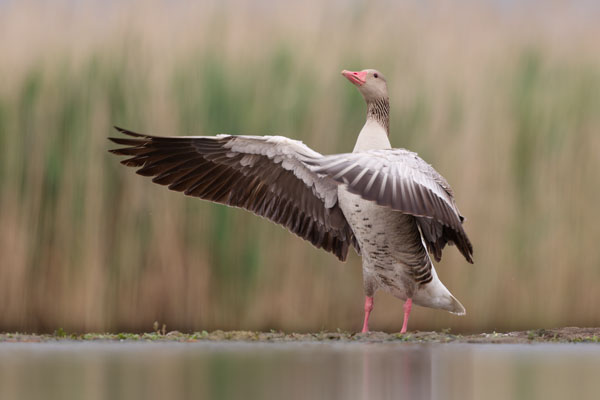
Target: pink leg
column 368, row 309
column 407, row 307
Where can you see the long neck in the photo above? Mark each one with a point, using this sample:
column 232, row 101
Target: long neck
column 375, row 134
column 379, row 111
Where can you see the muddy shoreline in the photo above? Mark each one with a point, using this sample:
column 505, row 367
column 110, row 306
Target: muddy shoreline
column 555, row 335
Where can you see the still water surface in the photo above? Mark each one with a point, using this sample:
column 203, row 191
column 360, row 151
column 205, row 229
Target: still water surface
column 249, row 371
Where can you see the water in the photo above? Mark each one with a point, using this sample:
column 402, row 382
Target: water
column 297, row 371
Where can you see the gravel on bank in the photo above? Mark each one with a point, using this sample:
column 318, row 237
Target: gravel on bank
column 555, row 335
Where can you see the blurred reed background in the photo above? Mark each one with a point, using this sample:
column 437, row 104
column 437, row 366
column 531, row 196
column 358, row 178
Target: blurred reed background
column 503, row 99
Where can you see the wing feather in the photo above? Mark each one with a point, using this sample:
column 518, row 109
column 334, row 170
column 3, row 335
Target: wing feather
column 262, row 174
column 399, row 179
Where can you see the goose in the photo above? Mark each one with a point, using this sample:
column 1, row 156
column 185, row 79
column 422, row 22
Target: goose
column 388, row 203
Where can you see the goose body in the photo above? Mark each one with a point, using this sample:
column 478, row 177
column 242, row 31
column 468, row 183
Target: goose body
column 388, row 204
column 394, row 256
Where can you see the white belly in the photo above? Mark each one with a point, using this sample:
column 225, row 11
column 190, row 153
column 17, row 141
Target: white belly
column 387, row 241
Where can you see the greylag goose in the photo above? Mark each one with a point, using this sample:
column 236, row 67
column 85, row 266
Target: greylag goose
column 389, row 204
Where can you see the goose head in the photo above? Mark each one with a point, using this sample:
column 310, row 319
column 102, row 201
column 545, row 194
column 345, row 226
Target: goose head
column 369, row 82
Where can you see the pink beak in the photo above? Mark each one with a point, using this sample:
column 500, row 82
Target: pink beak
column 358, row 78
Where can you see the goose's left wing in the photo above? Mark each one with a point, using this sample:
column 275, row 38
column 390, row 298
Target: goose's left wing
column 401, row 180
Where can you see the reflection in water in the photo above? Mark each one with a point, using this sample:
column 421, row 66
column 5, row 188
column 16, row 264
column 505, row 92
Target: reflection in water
column 297, row 371
column 388, row 373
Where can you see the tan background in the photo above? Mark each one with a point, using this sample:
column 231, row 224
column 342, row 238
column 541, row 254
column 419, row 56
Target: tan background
column 503, row 100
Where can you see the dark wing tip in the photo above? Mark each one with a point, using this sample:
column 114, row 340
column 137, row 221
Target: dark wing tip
column 467, row 250
column 465, row 247
column 115, row 151
column 128, row 132
column 126, row 141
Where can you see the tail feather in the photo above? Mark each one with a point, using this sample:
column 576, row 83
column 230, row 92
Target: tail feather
column 435, row 295
column 456, row 307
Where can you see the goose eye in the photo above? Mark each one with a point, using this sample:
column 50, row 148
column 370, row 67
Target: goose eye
column 375, row 75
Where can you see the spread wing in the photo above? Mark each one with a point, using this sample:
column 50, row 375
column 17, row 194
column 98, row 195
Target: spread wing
column 401, row 180
column 262, row 174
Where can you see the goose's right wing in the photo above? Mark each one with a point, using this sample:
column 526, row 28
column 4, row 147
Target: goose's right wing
column 262, row 174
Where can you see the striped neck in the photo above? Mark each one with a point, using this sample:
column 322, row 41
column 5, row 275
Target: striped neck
column 379, row 110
